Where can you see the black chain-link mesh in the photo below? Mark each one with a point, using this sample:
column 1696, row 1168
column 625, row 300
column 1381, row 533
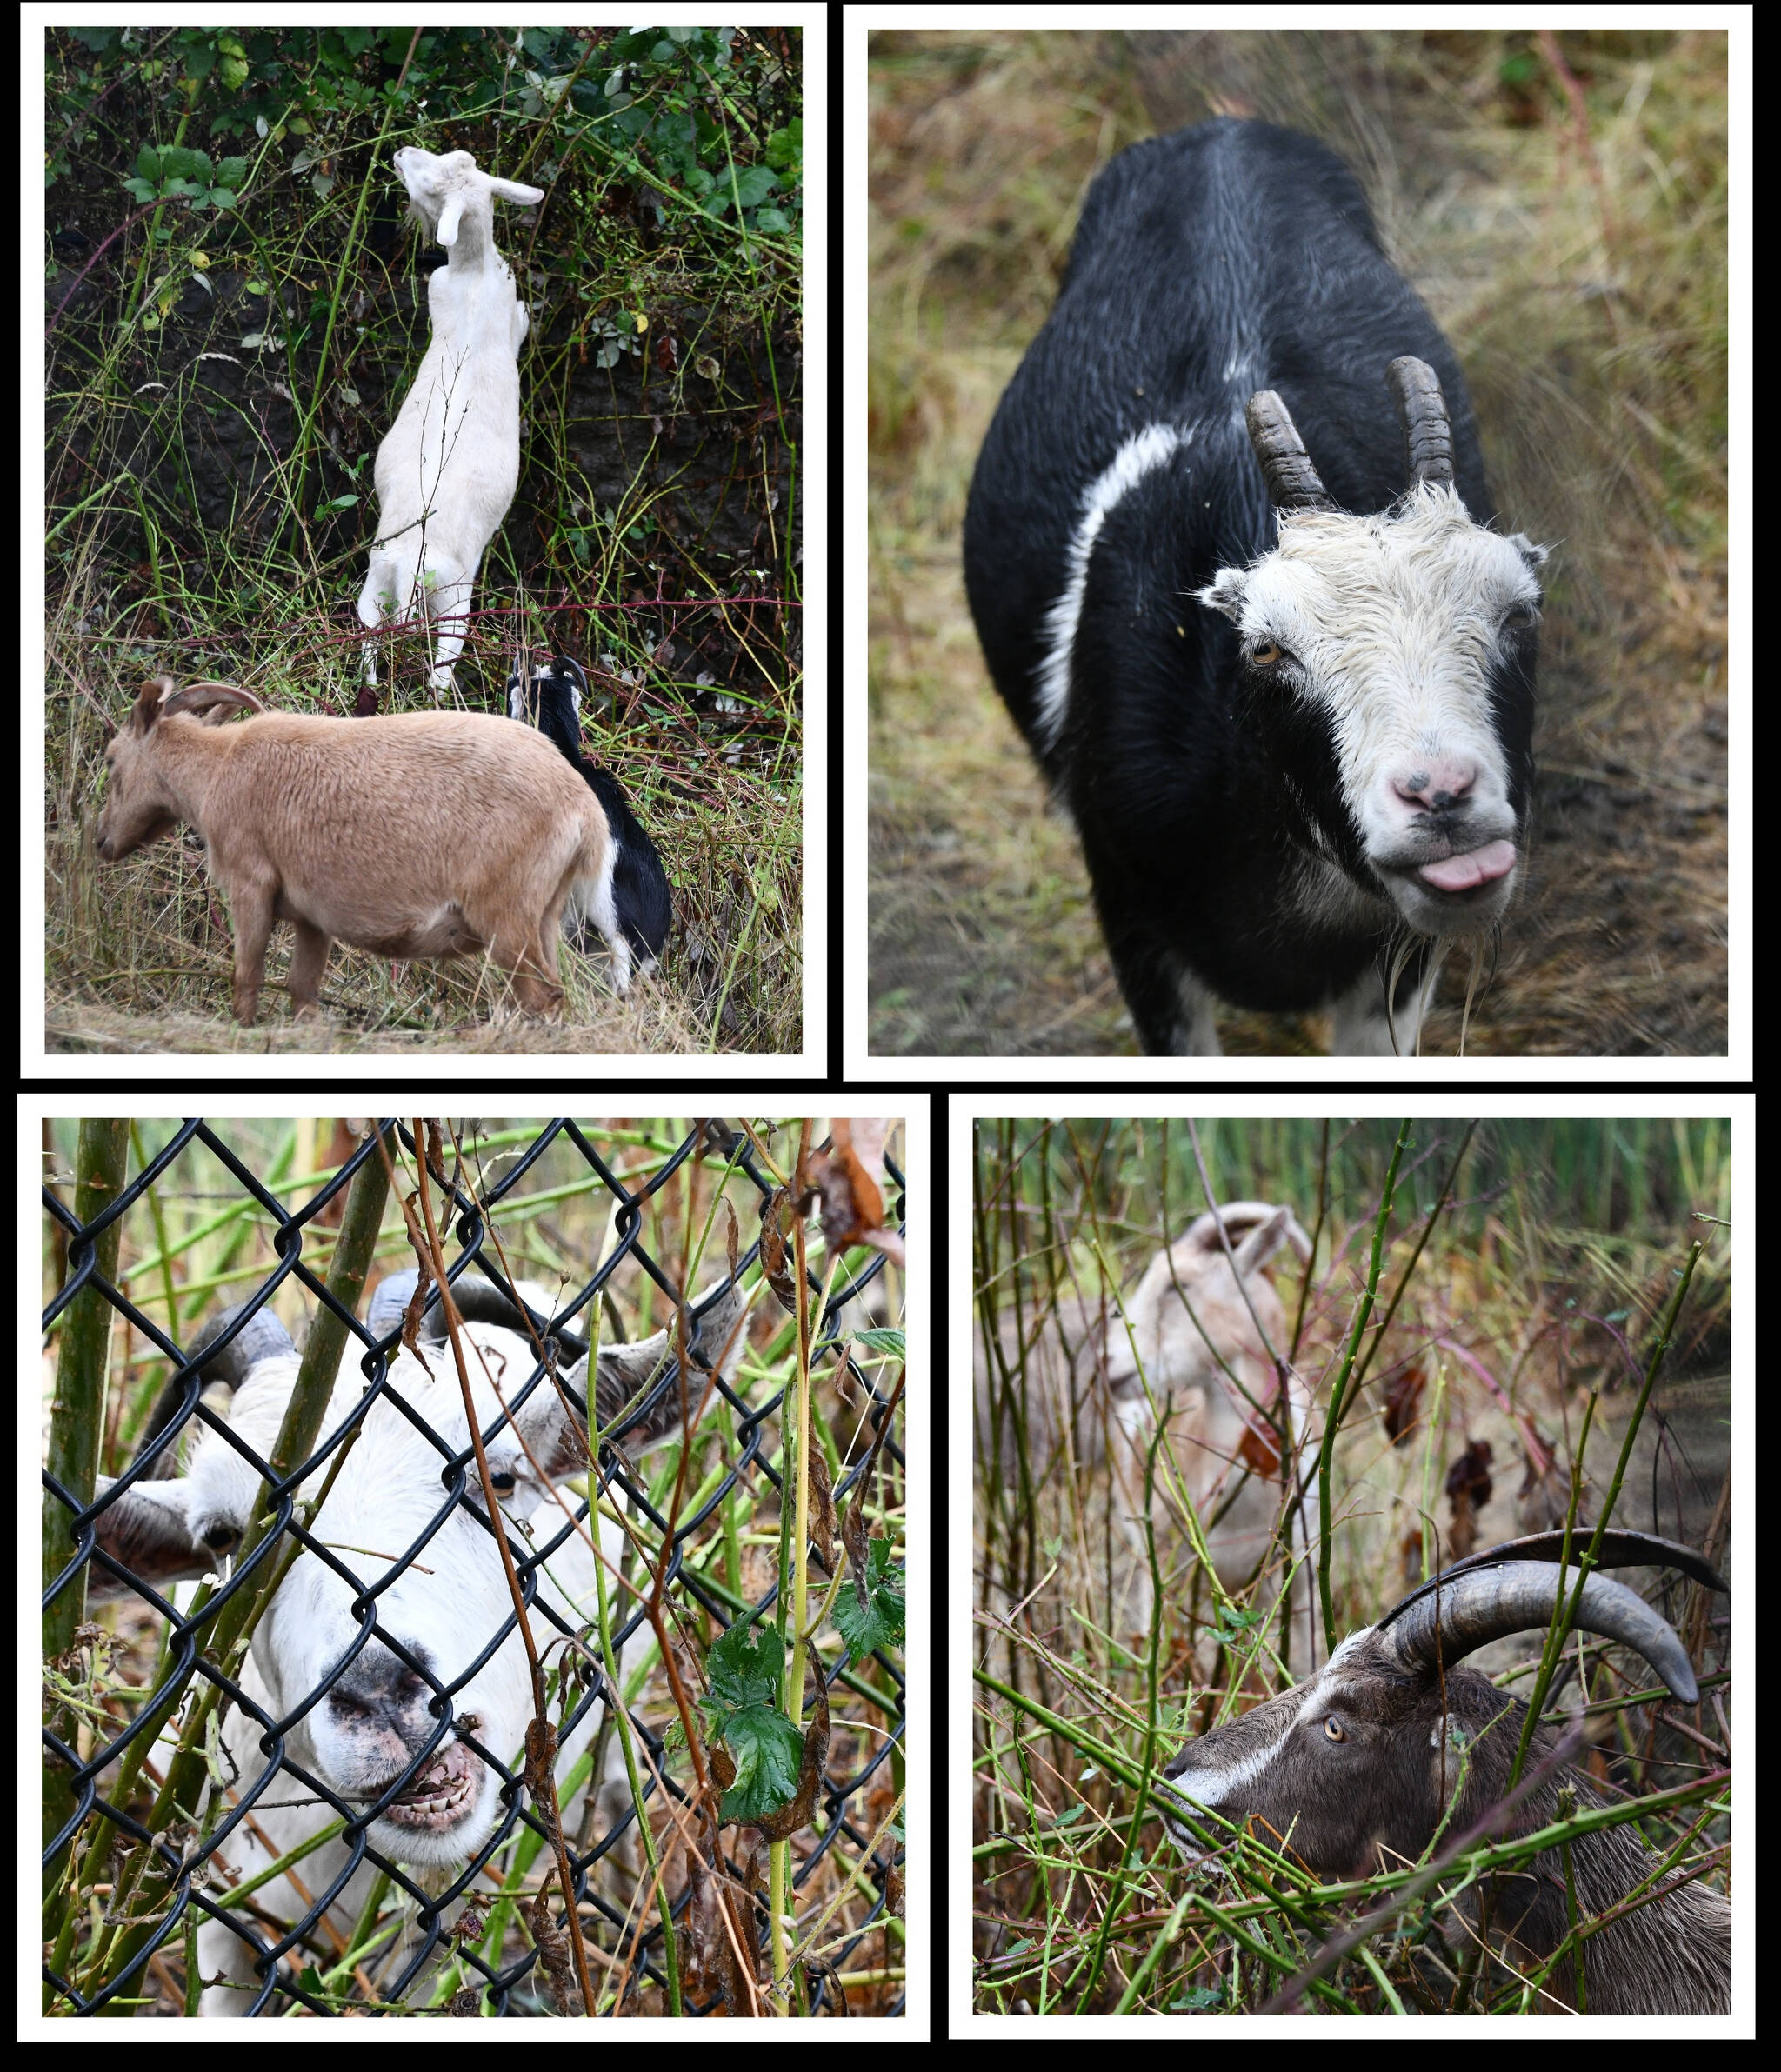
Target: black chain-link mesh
column 185, row 1855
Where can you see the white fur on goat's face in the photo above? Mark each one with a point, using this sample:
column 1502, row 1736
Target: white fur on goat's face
column 444, row 1609
column 1391, row 627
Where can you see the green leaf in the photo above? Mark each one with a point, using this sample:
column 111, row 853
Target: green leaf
column 785, row 146
column 878, row 1340
column 768, row 1749
column 754, row 184
column 744, row 1667
column 878, row 1623
column 743, row 1672
column 771, row 219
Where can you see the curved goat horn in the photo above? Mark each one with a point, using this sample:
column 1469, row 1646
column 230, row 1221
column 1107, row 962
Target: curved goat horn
column 479, row 1302
column 1618, row 1551
column 200, row 697
column 1422, row 410
column 1488, row 1604
column 260, row 1337
column 1293, row 483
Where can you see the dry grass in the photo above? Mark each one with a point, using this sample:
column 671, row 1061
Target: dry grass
column 1562, row 1242
column 138, row 954
column 1583, row 281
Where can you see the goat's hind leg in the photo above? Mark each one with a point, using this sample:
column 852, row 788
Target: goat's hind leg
column 372, row 615
column 450, row 606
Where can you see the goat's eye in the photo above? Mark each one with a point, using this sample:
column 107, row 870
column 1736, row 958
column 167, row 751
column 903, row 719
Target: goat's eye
column 1520, row 616
column 1334, row 1730
column 220, row 1538
column 502, row 1480
column 1265, row 653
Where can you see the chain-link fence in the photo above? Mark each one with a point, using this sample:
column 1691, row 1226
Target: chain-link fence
column 274, row 1771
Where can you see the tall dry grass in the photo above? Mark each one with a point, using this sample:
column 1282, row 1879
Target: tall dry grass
column 1525, row 1271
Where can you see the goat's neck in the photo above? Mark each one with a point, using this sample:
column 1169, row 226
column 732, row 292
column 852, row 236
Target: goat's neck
column 192, row 761
column 474, row 247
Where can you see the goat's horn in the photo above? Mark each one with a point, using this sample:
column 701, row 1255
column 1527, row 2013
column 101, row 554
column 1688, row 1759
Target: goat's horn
column 1489, row 1604
column 260, row 1337
column 199, row 698
column 479, row 1302
column 1293, row 483
column 1618, row 1551
column 1422, row 409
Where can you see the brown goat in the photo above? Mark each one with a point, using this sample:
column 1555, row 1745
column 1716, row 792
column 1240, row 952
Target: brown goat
column 420, row 834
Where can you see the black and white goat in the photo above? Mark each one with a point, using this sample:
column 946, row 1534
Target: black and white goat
column 1292, row 723
column 630, row 906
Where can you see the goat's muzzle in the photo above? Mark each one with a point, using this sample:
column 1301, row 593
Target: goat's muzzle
column 444, row 1793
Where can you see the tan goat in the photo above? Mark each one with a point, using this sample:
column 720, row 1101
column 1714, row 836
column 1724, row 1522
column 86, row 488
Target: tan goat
column 420, row 834
column 1194, row 1331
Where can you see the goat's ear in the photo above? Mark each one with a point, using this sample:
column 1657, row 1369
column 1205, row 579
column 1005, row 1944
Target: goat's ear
column 559, row 1441
column 149, row 1530
column 1261, row 1244
column 450, row 217
column 515, row 190
column 148, row 701
column 626, row 1369
column 1226, row 593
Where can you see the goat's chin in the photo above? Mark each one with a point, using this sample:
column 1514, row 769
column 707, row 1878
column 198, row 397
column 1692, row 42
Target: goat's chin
column 1430, row 910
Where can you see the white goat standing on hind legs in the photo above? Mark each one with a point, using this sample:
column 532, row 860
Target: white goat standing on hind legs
column 449, row 465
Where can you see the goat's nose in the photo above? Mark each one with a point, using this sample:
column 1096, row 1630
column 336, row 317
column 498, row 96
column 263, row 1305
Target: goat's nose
column 1435, row 786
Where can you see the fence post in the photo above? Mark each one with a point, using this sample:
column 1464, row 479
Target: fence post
column 77, row 1419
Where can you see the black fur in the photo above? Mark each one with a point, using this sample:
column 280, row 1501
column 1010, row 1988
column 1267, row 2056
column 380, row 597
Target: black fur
column 1227, row 258
column 639, row 883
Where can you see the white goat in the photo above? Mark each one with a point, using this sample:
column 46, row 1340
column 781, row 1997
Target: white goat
column 364, row 1740
column 1191, row 1323
column 415, row 834
column 449, row 465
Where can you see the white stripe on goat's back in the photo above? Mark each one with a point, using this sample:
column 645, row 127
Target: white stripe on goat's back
column 1145, row 450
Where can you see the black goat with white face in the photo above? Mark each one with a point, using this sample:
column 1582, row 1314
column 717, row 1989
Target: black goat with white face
column 1352, row 1772
column 1293, row 722
column 630, row 906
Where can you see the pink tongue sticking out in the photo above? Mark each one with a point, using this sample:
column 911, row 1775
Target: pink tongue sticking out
column 1475, row 867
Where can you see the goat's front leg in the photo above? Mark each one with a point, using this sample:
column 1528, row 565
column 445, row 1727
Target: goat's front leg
column 1171, row 1011
column 1360, row 1025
